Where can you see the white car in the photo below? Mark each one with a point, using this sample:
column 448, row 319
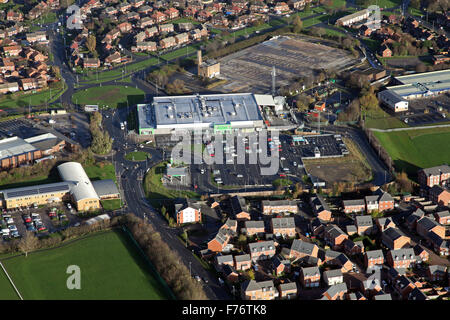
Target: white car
column 12, row 227
column 9, row 221
column 69, row 206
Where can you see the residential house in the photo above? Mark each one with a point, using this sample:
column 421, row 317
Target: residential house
column 371, row 203
column 411, row 220
column 287, row 290
column 221, row 240
column 440, row 245
column 320, row 208
column 137, row 3
column 356, row 296
column 442, row 217
column 351, row 229
column 382, row 297
column 364, row 224
column 281, row 7
column 91, row 63
column 145, row 10
column 172, row 13
column 30, row 84
column 417, row 294
column 335, row 292
column 434, row 176
column 263, row 290
column 437, row 272
column 125, row 27
column 279, row 206
column 384, row 223
column 261, row 250
column 440, row 195
column 373, row 259
column 39, row 36
column 182, row 38
column 204, row 15
column 185, row 26
column 421, row 253
column 9, row 87
column 281, row 265
column 254, row 228
column 394, row 239
column 334, row 236
column 168, row 27
column 239, row 208
column 187, row 211
column 230, row 225
column 385, row 51
column 113, row 58
column 150, row 32
column 427, row 224
column 124, row 7
column 343, row 262
column 332, row 277
column 401, row 258
column 310, row 277
column 351, row 206
column 145, row 46
column 230, row 273
column 298, row 4
column 353, row 248
column 167, row 42
column 284, row 227
column 403, row 285
column 12, row 51
column 242, row 262
column 300, row 249
column 222, row 260
column 385, row 201
column 145, row 22
column 14, row 16
column 158, row 17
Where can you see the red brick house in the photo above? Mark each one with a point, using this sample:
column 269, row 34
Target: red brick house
column 125, row 27
column 442, row 217
column 239, row 208
column 421, row 253
column 320, row 208
column 426, row 225
column 433, row 176
column 158, row 17
column 401, row 258
column 261, row 250
column 335, row 292
column 221, row 239
column 310, row 277
column 440, row 196
column 287, row 290
column 242, row 262
column 334, row 236
column 187, row 211
column 254, row 227
column 351, row 206
column 373, row 259
column 403, row 285
column 300, row 249
column 91, row 63
column 385, row 202
column 436, row 272
column 385, row 51
column 172, row 13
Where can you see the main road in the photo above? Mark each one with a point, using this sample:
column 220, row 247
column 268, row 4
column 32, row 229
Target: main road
column 130, row 180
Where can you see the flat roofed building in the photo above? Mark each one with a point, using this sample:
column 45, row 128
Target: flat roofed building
column 420, row 85
column 106, row 189
column 15, row 151
column 353, row 18
column 393, row 100
column 185, row 113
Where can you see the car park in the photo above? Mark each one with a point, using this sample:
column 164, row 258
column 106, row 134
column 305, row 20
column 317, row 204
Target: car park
column 26, row 218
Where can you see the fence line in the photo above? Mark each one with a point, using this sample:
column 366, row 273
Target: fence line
column 410, row 128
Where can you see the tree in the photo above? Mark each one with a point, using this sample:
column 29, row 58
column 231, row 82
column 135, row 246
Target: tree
column 28, row 243
column 297, row 25
column 369, row 101
column 91, row 43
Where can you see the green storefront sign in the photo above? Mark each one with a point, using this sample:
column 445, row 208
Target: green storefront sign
column 222, row 127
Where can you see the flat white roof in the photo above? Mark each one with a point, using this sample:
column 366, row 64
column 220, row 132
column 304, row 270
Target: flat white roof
column 14, row 146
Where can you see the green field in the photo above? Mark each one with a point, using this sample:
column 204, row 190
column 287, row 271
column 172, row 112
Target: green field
column 7, row 291
column 137, row 156
column 112, row 204
column 154, row 188
column 414, row 149
column 111, row 268
column 21, row 99
column 112, row 96
column 96, row 172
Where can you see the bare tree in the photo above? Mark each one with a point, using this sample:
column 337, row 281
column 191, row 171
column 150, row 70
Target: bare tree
column 28, row 243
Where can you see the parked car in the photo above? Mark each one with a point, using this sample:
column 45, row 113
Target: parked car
column 15, row 234
column 69, row 206
column 30, row 227
column 9, row 221
column 35, row 216
column 12, row 227
column 26, row 218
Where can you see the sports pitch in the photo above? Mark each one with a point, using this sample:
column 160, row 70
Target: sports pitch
column 111, row 268
column 414, row 149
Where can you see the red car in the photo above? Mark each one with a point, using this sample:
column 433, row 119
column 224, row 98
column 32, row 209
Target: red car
column 282, row 175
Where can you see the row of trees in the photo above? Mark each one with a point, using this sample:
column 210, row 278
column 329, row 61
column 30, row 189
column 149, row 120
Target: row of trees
column 101, row 141
column 166, row 262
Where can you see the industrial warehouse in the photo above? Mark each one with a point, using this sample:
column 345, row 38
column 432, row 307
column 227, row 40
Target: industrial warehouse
column 76, row 187
column 413, row 86
column 220, row 112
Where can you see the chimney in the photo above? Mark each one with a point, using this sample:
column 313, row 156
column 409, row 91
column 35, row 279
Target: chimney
column 199, row 57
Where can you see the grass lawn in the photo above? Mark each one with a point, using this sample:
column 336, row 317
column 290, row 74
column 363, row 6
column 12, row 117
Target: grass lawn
column 111, row 268
column 112, row 204
column 154, row 188
column 137, row 156
column 386, row 3
column 414, row 149
column 7, row 291
column 112, row 96
column 380, row 119
column 96, row 172
column 22, row 99
column 179, row 53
